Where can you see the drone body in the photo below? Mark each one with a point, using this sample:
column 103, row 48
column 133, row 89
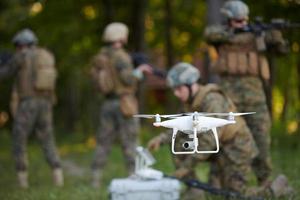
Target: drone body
column 186, row 124
column 192, row 124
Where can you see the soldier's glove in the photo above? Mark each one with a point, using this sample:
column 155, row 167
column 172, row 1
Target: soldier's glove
column 278, row 43
column 274, row 37
column 181, row 172
column 154, row 144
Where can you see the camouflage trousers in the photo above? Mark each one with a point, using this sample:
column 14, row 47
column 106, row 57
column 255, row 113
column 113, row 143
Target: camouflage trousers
column 34, row 114
column 233, row 162
column 113, row 125
column 248, row 95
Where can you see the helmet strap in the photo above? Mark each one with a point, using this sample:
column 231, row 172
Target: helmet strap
column 190, row 98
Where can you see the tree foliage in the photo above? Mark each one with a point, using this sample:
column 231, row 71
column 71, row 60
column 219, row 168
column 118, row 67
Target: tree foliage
column 73, row 29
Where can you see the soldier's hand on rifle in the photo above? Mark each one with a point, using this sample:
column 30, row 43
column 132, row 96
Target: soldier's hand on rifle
column 154, row 144
column 181, row 172
column 145, row 68
column 274, row 36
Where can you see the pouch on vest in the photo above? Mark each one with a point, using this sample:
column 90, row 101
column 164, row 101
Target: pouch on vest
column 45, row 72
column 102, row 73
column 128, row 105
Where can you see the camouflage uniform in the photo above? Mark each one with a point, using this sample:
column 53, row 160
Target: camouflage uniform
column 113, row 123
column 237, row 147
column 34, row 110
column 229, row 168
column 242, row 70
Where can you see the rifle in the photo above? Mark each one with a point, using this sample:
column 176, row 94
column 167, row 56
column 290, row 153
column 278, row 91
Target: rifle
column 141, row 58
column 5, row 57
column 258, row 27
column 215, row 191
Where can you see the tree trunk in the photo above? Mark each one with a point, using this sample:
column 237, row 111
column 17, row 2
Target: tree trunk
column 298, row 87
column 168, row 32
column 286, row 102
column 269, row 86
column 108, row 11
column 138, row 25
column 213, row 15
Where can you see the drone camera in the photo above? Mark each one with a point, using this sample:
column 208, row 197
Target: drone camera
column 188, row 145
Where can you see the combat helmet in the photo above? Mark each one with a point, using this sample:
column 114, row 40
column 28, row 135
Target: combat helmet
column 182, row 74
column 115, row 31
column 235, row 9
column 25, row 37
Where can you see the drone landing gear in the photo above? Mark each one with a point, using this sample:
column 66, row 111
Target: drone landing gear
column 214, row 130
column 195, row 142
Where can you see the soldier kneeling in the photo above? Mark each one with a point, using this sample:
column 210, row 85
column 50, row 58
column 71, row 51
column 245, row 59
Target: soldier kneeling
column 229, row 167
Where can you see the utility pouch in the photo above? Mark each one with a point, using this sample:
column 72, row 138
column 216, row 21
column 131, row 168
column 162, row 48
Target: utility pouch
column 232, row 62
column 260, row 43
column 128, row 105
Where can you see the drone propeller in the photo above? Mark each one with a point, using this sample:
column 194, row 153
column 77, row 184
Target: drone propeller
column 156, row 115
column 220, row 114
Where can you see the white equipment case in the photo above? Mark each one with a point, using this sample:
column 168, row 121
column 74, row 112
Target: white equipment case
column 146, row 183
column 138, row 189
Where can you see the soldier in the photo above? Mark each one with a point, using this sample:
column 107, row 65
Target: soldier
column 115, row 77
column 34, row 69
column 243, row 69
column 237, row 146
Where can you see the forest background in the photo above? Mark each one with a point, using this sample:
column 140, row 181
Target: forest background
column 168, row 31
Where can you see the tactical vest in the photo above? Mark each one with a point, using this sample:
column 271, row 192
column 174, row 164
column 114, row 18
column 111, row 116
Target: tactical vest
column 226, row 132
column 37, row 73
column 239, row 56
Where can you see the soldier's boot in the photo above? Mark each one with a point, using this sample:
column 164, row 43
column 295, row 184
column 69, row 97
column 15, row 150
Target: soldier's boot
column 58, row 177
column 23, row 179
column 280, row 187
column 96, row 178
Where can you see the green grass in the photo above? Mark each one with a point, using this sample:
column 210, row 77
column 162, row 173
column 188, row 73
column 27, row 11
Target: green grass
column 285, row 159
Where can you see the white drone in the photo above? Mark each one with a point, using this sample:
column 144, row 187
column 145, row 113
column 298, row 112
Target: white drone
column 191, row 124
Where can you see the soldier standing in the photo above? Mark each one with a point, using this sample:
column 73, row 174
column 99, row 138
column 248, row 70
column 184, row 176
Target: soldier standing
column 34, row 68
column 243, row 69
column 115, row 77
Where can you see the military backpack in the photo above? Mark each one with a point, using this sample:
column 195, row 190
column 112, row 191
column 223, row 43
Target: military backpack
column 103, row 73
column 44, row 70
